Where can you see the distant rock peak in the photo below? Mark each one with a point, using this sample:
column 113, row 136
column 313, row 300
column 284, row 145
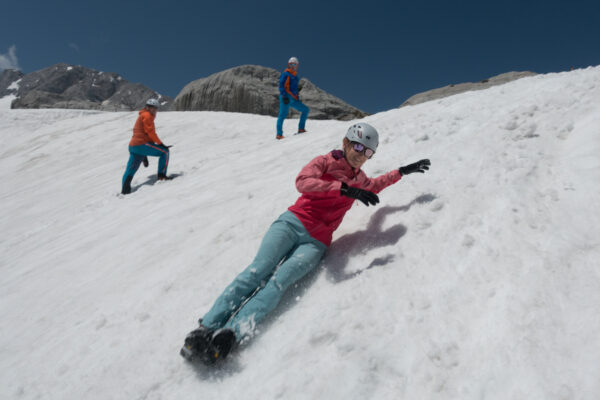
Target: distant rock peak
column 453, row 89
column 76, row 87
column 255, row 89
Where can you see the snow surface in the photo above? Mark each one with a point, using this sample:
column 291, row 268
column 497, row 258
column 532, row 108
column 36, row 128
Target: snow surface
column 477, row 280
column 6, row 101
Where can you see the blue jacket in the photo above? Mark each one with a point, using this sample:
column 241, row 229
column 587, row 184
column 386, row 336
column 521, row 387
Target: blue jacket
column 288, row 84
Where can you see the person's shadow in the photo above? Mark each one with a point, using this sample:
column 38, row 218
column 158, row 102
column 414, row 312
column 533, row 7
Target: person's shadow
column 152, row 179
column 361, row 242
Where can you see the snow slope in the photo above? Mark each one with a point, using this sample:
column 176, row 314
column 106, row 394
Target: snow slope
column 477, row 280
column 6, row 101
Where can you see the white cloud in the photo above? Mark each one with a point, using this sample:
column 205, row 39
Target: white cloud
column 74, row 47
column 9, row 60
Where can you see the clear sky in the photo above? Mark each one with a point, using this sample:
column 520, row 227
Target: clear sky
column 373, row 54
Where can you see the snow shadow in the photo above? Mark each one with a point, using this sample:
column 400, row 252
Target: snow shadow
column 152, row 179
column 361, row 242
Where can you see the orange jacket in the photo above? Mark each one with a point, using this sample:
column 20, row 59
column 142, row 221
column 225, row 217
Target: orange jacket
column 288, row 83
column 143, row 130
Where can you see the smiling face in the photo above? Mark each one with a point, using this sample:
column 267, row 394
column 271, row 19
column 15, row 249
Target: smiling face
column 355, row 159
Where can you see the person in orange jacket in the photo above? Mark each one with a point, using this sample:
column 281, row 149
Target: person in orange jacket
column 145, row 142
column 289, row 96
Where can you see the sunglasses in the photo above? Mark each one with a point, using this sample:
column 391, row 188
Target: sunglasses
column 361, row 148
column 293, row 65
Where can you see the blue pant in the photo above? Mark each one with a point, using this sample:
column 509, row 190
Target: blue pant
column 137, row 154
column 286, row 254
column 285, row 108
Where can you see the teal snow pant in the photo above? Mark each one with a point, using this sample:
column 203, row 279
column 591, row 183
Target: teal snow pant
column 286, row 254
column 137, row 154
column 284, row 109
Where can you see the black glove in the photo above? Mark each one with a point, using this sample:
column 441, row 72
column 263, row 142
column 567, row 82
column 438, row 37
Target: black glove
column 145, row 161
column 359, row 194
column 286, row 100
column 164, row 145
column 420, row 166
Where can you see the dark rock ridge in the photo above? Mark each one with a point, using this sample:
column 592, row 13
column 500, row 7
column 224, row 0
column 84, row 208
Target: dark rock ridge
column 254, row 89
column 76, row 87
column 451, row 90
column 8, row 81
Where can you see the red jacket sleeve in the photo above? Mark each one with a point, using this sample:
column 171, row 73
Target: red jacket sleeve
column 376, row 185
column 310, row 178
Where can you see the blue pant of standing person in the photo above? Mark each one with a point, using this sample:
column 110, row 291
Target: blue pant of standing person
column 136, row 156
column 284, row 110
column 286, row 254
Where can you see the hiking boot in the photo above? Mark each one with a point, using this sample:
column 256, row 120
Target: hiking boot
column 127, row 185
column 163, row 177
column 279, row 137
column 197, row 345
column 223, row 341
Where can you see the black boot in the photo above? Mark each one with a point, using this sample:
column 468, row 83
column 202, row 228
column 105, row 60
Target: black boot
column 127, row 185
column 223, row 341
column 197, row 345
column 208, row 346
column 163, row 177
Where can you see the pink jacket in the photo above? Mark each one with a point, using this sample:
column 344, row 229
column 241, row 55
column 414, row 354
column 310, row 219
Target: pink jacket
column 321, row 207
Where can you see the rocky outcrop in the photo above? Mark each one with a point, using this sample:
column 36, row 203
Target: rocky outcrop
column 77, row 87
column 451, row 90
column 254, row 89
column 9, row 79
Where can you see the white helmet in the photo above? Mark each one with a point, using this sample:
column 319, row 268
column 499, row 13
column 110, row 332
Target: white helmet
column 365, row 134
column 293, row 60
column 152, row 103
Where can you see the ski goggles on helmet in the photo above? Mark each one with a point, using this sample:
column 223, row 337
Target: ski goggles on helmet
column 361, row 148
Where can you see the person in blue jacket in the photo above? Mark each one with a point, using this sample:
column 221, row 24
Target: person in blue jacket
column 289, row 96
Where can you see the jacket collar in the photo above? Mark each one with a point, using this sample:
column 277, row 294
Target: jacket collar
column 143, row 110
column 339, row 155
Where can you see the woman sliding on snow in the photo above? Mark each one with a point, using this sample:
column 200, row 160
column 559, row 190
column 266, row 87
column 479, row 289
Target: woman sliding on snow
column 295, row 243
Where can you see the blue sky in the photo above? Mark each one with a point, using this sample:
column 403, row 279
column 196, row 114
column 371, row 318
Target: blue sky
column 372, row 54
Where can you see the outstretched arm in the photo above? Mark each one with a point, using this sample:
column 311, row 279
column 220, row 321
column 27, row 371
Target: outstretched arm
column 376, row 185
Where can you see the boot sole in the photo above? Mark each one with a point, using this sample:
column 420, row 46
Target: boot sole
column 222, row 343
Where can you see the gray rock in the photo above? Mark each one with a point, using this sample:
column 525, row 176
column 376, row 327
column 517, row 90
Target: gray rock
column 451, row 90
column 7, row 78
column 77, row 87
column 254, row 89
